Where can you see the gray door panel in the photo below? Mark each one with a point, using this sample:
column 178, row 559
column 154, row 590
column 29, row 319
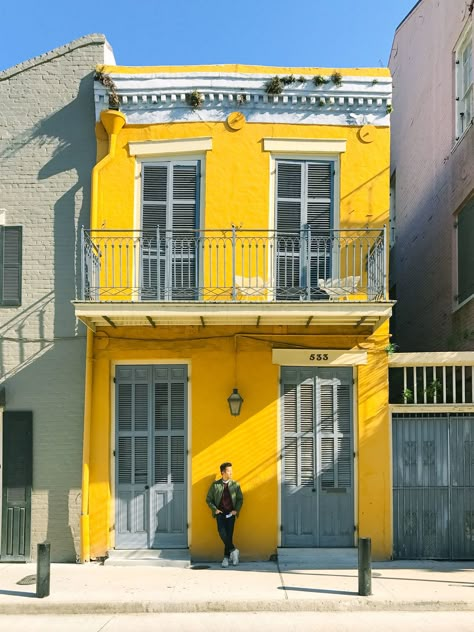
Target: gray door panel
column 17, row 485
column 433, row 486
column 151, row 456
column 461, row 440
column 317, row 459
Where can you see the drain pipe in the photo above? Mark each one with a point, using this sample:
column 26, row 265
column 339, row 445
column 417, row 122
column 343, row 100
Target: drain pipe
column 113, row 121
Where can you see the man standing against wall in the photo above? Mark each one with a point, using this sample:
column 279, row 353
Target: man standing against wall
column 225, row 501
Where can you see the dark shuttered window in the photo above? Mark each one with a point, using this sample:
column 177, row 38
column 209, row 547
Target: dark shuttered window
column 170, row 193
column 10, row 265
column 304, row 220
column 466, row 252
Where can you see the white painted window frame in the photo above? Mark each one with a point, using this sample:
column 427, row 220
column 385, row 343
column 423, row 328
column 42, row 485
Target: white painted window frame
column 177, row 154
column 309, row 155
column 464, row 86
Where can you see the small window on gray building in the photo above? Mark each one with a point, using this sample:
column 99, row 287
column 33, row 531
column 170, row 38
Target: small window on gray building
column 10, row 265
column 465, row 230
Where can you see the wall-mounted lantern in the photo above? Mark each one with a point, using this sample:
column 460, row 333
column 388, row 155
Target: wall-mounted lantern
column 235, row 400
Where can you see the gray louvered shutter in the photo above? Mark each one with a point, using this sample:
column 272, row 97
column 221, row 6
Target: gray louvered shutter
column 170, row 192
column 184, row 223
column 319, row 185
column 289, row 211
column 132, row 455
column 298, row 416
column 10, row 261
column 169, row 439
column 307, row 465
column 290, row 427
column 154, row 215
column 335, row 434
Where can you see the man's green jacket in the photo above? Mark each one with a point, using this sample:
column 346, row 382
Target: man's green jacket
column 214, row 495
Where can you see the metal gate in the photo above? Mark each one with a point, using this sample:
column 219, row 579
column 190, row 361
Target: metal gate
column 433, row 485
column 317, row 460
column 151, row 429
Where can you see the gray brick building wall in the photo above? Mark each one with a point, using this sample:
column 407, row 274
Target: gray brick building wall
column 47, row 152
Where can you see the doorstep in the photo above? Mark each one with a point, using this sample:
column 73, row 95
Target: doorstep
column 326, row 558
column 178, row 558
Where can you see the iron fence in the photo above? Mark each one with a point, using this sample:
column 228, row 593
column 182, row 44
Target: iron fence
column 233, row 265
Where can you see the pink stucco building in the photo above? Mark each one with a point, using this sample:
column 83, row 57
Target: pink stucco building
column 432, row 255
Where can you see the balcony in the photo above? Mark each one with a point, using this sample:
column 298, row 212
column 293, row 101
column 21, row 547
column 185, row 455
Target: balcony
column 233, row 276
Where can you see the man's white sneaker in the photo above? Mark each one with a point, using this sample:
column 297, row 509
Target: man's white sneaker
column 225, row 562
column 234, row 557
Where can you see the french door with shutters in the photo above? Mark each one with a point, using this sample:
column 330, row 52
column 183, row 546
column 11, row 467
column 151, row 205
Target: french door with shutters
column 170, row 241
column 317, row 457
column 304, row 220
column 151, row 431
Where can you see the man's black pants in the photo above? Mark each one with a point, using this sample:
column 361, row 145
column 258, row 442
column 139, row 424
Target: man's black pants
column 225, row 528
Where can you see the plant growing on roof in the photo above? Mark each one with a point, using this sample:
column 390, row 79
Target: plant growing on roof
column 274, row 85
column 336, row 78
column 301, row 79
column 195, row 99
column 288, row 80
column 109, row 85
column 407, row 396
column 389, row 108
column 319, row 80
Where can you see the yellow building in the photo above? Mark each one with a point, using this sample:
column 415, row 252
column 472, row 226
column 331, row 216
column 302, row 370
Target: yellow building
column 237, row 246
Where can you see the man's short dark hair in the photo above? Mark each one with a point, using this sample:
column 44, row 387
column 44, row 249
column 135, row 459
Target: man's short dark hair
column 225, row 465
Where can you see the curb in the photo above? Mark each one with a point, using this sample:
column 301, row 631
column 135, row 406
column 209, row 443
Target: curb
column 360, row 604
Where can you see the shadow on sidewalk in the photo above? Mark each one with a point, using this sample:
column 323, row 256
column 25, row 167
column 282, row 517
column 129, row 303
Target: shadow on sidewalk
column 317, row 590
column 17, row 593
column 378, row 575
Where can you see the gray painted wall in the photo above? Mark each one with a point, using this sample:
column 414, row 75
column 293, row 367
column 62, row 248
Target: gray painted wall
column 434, row 177
column 47, row 152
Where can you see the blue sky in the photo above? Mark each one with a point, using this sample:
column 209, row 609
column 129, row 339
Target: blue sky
column 325, row 33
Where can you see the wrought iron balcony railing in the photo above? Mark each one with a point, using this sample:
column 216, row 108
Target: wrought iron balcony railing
column 233, row 265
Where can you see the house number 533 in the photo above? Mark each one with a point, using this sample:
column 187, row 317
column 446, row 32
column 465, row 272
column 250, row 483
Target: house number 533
column 319, row 357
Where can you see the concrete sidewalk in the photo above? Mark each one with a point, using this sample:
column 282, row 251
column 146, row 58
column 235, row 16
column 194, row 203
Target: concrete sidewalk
column 256, row 586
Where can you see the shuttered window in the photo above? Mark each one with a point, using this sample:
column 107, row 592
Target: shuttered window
column 465, row 230
column 304, row 196
column 464, row 84
column 317, row 410
column 10, row 265
column 170, row 192
column 304, row 200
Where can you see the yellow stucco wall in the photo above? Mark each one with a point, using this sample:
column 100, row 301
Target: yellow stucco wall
column 237, row 173
column 250, row 441
column 237, row 191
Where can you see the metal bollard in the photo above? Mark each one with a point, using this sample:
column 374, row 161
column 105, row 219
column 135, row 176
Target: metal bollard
column 365, row 567
column 43, row 569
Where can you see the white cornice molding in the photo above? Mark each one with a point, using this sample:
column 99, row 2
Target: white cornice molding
column 162, row 98
column 176, row 146
column 305, row 145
